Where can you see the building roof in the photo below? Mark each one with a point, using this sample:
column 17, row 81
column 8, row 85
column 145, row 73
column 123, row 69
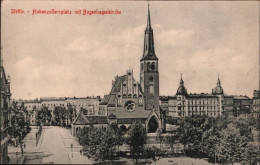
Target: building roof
column 112, row 101
column 149, row 53
column 181, row 89
column 112, row 116
column 105, row 100
column 120, row 112
column 97, row 119
column 83, row 119
column 130, row 120
column 202, row 95
column 53, row 98
column 83, row 98
column 117, row 84
column 241, row 97
column 30, row 101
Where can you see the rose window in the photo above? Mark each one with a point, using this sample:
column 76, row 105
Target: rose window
column 130, row 106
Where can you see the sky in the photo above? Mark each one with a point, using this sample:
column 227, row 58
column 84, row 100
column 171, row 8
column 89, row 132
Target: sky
column 80, row 55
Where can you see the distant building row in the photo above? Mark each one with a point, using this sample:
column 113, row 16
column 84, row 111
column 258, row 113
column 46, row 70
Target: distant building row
column 89, row 103
column 214, row 104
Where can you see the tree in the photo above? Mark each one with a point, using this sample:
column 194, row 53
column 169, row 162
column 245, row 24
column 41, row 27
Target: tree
column 229, row 140
column 119, row 135
column 56, row 114
column 159, row 137
column 71, row 112
column 171, row 139
column 99, row 143
column 136, row 140
column 190, row 133
column 44, row 115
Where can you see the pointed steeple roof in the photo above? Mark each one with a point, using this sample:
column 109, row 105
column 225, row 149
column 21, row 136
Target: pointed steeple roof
column 181, row 81
column 148, row 18
column 218, row 82
column 181, row 90
column 218, row 89
column 149, row 53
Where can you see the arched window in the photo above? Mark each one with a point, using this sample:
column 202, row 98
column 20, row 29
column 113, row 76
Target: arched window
column 148, row 66
column 135, row 89
column 151, row 90
column 119, row 100
column 153, row 66
column 124, row 89
column 140, row 100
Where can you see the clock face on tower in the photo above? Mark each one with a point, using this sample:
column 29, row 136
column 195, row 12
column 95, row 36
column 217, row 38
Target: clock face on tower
column 129, row 106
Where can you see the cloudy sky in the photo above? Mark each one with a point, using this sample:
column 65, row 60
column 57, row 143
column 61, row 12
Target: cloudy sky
column 79, row 55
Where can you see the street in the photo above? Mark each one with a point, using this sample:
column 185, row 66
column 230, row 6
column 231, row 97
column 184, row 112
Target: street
column 54, row 147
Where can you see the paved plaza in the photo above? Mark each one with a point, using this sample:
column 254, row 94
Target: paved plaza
column 54, row 147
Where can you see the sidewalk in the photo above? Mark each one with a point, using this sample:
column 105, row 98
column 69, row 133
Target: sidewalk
column 16, row 159
column 29, row 141
column 76, row 158
column 68, row 139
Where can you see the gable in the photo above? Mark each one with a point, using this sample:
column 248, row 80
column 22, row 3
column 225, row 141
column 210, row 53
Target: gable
column 80, row 120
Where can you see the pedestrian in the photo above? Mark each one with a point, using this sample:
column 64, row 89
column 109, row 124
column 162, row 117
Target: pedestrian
column 80, row 151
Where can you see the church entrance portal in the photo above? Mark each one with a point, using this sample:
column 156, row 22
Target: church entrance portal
column 152, row 125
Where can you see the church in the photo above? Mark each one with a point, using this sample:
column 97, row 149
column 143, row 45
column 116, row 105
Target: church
column 131, row 101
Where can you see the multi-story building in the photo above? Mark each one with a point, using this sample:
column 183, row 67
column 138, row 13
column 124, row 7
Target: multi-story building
column 242, row 105
column 5, row 114
column 91, row 104
column 214, row 104
column 52, row 102
column 189, row 104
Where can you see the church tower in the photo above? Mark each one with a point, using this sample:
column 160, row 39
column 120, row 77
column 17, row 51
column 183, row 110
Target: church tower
column 149, row 75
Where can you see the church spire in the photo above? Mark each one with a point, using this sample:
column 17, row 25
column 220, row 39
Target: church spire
column 149, row 53
column 148, row 17
column 181, row 81
column 218, row 82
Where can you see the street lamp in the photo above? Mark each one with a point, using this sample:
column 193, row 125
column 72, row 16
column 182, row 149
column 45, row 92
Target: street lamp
column 71, row 149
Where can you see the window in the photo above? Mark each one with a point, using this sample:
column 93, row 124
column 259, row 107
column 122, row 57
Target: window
column 151, row 90
column 130, row 106
column 148, row 66
column 140, row 100
column 124, row 89
column 119, row 100
column 153, row 66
